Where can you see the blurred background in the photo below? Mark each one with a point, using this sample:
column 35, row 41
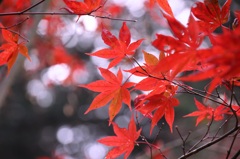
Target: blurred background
column 41, row 104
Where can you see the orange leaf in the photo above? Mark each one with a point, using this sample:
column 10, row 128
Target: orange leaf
column 150, row 59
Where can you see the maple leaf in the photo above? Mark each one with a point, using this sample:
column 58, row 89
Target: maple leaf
column 161, row 103
column 112, row 90
column 221, row 61
column 152, row 80
column 210, row 14
column 85, row 7
column 185, row 38
column 182, row 46
column 160, row 100
column 11, row 48
column 123, row 142
column 119, row 48
column 208, row 112
column 137, row 106
column 165, row 7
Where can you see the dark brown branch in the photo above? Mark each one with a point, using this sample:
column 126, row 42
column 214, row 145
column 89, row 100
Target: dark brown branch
column 236, row 155
column 210, row 143
column 232, row 143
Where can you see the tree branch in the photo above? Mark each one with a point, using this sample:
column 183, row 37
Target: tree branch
column 210, row 143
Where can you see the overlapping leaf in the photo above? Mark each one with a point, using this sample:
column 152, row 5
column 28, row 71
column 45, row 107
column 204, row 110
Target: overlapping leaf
column 85, row 7
column 221, row 61
column 119, row 48
column 180, row 49
column 123, row 142
column 10, row 50
column 210, row 14
column 160, row 100
column 185, row 38
column 161, row 104
column 112, row 90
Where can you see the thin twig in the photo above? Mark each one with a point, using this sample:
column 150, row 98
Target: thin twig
column 151, row 146
column 31, row 7
column 183, row 140
column 210, row 143
column 25, row 12
column 14, row 25
column 20, row 35
column 225, row 122
column 159, row 130
column 64, row 13
column 230, row 104
column 231, row 146
column 204, row 136
column 219, row 97
column 190, row 91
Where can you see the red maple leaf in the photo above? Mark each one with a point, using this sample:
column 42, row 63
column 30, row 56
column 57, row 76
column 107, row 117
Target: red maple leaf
column 154, row 79
column 85, row 7
column 221, row 61
column 123, row 142
column 208, row 112
column 185, row 38
column 165, row 7
column 181, row 50
column 160, row 102
column 11, row 48
column 137, row 105
column 112, row 90
column 119, row 48
column 210, row 14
